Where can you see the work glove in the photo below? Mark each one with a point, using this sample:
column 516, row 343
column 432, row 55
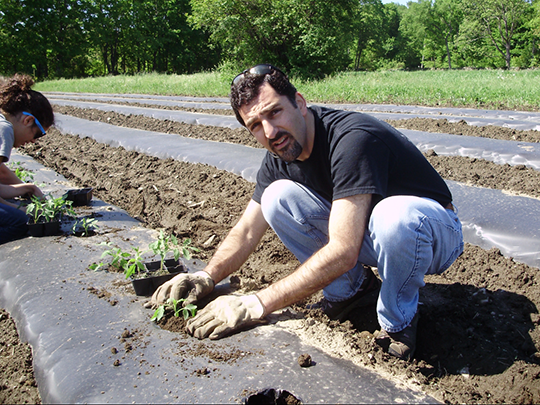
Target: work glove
column 226, row 314
column 192, row 287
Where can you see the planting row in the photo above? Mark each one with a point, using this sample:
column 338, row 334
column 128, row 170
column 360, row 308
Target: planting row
column 511, row 119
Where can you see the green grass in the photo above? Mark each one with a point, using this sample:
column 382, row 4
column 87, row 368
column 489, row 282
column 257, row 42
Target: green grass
column 200, row 84
column 491, row 89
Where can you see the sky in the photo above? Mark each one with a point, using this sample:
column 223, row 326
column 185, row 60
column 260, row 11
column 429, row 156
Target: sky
column 403, row 2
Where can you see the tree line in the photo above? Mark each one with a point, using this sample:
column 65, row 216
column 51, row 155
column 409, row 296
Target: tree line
column 309, row 38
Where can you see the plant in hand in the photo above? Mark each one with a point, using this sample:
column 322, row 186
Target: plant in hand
column 177, row 307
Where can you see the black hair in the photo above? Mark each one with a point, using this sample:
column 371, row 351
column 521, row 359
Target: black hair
column 244, row 91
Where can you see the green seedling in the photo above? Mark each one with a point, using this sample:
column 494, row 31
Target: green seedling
column 135, row 264
column 26, row 176
column 119, row 257
column 177, row 307
column 169, row 243
column 163, row 245
column 87, row 225
column 34, row 210
column 96, row 266
column 49, row 209
column 186, row 248
column 127, row 262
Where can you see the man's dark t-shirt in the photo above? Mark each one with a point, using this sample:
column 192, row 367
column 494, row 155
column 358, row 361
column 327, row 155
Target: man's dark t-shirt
column 354, row 153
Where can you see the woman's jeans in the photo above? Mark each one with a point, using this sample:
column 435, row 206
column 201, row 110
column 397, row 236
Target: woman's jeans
column 12, row 223
column 407, row 238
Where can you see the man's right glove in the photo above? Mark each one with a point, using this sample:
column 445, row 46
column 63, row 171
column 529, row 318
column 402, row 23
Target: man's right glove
column 225, row 315
column 192, row 287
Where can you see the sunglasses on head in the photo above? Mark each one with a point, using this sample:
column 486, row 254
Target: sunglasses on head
column 259, row 70
column 43, row 133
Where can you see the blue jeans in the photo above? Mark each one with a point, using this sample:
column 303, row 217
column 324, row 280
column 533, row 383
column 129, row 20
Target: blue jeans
column 407, row 238
column 12, row 223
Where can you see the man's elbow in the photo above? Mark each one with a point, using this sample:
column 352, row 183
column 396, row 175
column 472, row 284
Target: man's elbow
column 345, row 254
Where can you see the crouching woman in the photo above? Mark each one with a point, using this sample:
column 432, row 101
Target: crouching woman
column 25, row 116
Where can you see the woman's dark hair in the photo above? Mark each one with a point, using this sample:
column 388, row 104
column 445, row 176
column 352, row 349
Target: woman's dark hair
column 247, row 89
column 17, row 96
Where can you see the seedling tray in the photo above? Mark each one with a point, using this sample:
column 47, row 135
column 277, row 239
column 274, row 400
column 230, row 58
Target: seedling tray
column 79, row 197
column 44, row 229
column 148, row 285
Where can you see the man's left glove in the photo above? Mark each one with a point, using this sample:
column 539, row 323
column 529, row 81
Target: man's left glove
column 226, row 314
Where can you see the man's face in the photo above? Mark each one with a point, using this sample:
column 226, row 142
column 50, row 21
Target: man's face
column 277, row 124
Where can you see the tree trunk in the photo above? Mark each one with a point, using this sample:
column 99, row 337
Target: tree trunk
column 358, row 55
column 448, row 53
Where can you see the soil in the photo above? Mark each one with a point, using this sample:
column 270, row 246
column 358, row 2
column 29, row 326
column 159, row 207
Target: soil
column 17, row 383
column 479, row 328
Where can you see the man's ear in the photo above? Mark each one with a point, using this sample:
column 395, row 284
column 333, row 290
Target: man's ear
column 301, row 102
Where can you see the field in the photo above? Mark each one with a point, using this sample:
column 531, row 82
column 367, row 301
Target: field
column 492, row 89
column 479, row 333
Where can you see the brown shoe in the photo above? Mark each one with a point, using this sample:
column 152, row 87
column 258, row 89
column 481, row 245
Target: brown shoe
column 366, row 296
column 400, row 344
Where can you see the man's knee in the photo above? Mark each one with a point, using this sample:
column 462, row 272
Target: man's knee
column 277, row 195
column 279, row 189
column 288, row 200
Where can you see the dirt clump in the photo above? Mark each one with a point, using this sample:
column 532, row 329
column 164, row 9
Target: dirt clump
column 304, row 360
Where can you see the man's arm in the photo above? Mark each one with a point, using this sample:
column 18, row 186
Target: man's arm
column 7, row 176
column 239, row 243
column 347, row 224
column 224, row 315
column 231, row 254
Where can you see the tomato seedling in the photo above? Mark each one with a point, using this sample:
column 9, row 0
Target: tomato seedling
column 177, row 307
column 169, row 243
column 85, row 226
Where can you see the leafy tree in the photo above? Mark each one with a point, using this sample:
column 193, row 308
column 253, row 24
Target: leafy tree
column 370, row 29
column 307, row 38
column 380, row 42
column 140, row 35
column 43, row 37
column 533, row 24
column 437, row 22
column 498, row 20
column 109, row 21
column 66, row 40
column 399, row 47
column 166, row 42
